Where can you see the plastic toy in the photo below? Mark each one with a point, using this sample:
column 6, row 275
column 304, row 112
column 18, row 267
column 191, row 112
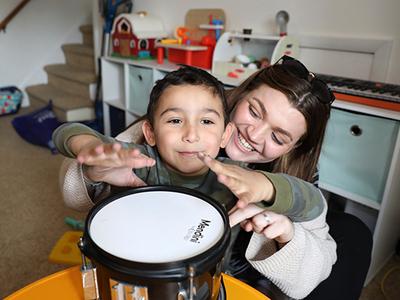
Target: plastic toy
column 134, row 35
column 75, row 224
column 66, row 249
column 194, row 41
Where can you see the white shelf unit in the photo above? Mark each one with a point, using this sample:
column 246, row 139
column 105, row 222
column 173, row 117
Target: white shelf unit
column 386, row 230
column 121, row 91
column 382, row 216
column 258, row 46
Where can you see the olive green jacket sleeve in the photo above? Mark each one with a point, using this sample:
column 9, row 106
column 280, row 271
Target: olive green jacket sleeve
column 297, row 199
column 66, row 131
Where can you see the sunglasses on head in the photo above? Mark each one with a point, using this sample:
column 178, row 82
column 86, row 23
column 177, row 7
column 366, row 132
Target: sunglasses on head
column 318, row 87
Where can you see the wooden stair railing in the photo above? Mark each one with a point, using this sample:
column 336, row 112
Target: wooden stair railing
column 12, row 14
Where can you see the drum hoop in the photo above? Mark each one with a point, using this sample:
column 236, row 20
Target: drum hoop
column 169, row 270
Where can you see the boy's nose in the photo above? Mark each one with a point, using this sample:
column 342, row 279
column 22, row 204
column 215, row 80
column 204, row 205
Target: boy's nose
column 190, row 135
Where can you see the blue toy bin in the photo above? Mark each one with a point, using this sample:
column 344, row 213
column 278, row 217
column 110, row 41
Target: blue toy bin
column 10, row 100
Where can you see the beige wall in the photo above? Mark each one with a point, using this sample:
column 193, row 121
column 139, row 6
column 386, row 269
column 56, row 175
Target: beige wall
column 34, row 37
column 354, row 18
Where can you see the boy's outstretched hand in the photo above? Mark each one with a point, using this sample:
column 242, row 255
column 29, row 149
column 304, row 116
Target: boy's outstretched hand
column 247, row 185
column 109, row 163
column 113, row 155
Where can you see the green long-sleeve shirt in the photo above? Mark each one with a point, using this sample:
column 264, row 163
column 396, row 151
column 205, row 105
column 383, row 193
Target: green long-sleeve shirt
column 297, row 199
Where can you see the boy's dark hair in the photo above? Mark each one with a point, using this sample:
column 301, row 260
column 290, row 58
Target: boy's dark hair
column 186, row 76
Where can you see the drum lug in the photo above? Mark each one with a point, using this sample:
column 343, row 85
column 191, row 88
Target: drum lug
column 89, row 284
column 89, row 277
column 125, row 291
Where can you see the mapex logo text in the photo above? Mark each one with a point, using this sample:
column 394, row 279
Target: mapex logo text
column 195, row 234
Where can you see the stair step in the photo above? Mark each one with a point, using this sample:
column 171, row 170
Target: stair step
column 87, row 34
column 67, row 107
column 72, row 80
column 79, row 56
column 78, row 49
column 71, row 73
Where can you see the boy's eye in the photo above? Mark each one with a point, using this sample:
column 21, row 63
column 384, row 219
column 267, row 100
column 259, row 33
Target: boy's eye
column 174, row 121
column 207, row 122
column 276, row 139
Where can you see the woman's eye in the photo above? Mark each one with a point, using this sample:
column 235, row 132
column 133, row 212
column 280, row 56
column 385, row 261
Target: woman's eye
column 174, row 121
column 207, row 122
column 253, row 112
column 276, row 140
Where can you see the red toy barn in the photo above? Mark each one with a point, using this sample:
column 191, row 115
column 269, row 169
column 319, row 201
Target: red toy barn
column 134, row 35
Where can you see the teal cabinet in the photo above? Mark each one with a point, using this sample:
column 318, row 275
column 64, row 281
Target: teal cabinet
column 357, row 152
column 140, row 85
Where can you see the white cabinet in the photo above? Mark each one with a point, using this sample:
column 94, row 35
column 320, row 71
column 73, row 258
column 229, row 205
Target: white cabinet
column 126, row 89
column 364, row 168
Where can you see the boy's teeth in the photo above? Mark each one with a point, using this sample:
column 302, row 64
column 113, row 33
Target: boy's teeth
column 244, row 143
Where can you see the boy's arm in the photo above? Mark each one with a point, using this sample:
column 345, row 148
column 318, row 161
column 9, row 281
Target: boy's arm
column 70, row 138
column 109, row 160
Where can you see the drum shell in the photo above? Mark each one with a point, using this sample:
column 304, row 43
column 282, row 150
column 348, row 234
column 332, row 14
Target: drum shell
column 209, row 283
column 158, row 277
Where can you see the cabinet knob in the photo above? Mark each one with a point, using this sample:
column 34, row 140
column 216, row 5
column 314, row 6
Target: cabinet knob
column 355, row 130
column 140, row 77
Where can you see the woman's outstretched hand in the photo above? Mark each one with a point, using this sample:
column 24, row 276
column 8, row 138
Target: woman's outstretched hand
column 247, row 185
column 272, row 225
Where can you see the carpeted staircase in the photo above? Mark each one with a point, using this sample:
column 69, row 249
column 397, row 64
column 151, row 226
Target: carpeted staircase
column 71, row 86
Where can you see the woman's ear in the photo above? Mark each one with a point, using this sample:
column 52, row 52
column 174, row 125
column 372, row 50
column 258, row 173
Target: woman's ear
column 148, row 133
column 227, row 134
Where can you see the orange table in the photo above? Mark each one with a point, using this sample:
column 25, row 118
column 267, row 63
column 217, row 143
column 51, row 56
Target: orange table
column 66, row 285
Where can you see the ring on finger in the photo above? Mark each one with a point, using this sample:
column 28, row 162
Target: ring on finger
column 267, row 218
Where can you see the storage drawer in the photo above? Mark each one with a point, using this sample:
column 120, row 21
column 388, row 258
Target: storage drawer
column 356, row 153
column 140, row 85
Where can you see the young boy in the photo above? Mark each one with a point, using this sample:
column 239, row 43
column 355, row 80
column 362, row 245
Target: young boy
column 186, row 116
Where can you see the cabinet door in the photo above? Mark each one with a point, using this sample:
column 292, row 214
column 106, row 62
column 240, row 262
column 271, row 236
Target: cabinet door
column 357, row 152
column 140, row 85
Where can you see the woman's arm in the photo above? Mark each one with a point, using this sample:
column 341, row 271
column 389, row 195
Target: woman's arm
column 280, row 193
column 302, row 263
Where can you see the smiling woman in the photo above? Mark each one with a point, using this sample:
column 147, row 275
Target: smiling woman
column 281, row 114
column 267, row 126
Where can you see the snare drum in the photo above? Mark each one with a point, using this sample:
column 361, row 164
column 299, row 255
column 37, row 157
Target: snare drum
column 155, row 242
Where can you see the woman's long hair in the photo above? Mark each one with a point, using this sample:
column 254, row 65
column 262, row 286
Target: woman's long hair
column 302, row 160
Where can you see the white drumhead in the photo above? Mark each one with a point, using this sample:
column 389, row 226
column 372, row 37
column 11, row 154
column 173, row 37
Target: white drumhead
column 156, row 227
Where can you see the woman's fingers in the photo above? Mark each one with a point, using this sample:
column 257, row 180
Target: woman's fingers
column 262, row 220
column 215, row 166
column 236, row 216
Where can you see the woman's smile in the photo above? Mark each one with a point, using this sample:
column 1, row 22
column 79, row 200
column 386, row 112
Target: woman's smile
column 243, row 143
